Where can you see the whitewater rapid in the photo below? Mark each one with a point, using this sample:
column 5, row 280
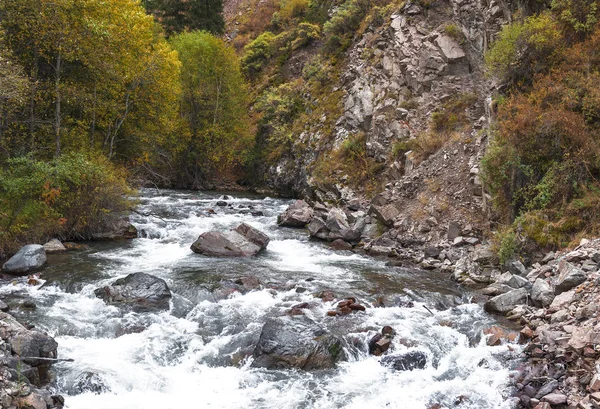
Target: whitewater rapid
column 197, row 354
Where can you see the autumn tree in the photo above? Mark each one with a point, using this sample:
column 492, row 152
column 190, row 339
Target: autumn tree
column 177, row 16
column 214, row 104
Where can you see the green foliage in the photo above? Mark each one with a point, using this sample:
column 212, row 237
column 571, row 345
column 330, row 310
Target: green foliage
column 188, row 15
column 344, row 23
column 455, row 32
column 214, row 104
column 305, row 34
column 69, row 197
column 508, row 245
column 524, row 49
column 258, row 53
column 578, row 18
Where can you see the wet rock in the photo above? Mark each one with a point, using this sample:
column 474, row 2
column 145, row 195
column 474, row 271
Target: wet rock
column 54, row 246
column 298, row 214
column 296, row 342
column 326, row 295
column 542, row 293
column 569, row 277
column 28, row 258
column 70, row 246
column 221, row 203
column 381, row 341
column 253, row 235
column 244, row 241
column 90, row 382
column 506, row 302
column 405, row 362
column 340, row 244
column 3, row 306
column 496, row 335
column 139, row 291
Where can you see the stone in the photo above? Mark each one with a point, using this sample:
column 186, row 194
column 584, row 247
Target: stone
column 3, row 306
column 595, row 383
column 119, row 228
column 513, row 281
column 139, row 291
column 340, row 244
column 516, row 267
column 298, row 214
column 386, row 214
column 90, row 382
column 244, row 241
column 496, row 335
column 569, row 276
column 336, row 221
column 542, row 293
column 296, row 342
column 546, row 389
column 453, row 231
column 405, row 362
column 318, row 229
column 431, row 251
column 253, row 235
column 562, row 300
column 54, row 246
column 451, row 50
column 506, row 302
column 483, row 255
column 29, row 258
column 555, row 399
column 542, row 405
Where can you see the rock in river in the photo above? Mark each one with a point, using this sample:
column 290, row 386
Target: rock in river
column 296, row 342
column 298, row 214
column 405, row 362
column 28, row 258
column 140, row 291
column 243, row 241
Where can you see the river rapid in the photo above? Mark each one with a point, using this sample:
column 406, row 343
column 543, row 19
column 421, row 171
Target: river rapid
column 198, row 354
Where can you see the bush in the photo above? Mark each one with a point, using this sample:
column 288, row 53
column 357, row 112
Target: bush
column 258, row 53
column 70, row 197
column 305, row 34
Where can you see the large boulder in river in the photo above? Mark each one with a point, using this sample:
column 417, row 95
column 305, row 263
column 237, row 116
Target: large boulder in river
column 28, row 258
column 118, row 228
column 243, row 241
column 296, row 342
column 298, row 214
column 54, row 246
column 139, row 291
column 405, row 362
column 28, row 345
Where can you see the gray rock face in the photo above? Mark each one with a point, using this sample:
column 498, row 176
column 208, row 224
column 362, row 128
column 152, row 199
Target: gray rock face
column 317, row 228
column 451, row 50
column 28, row 258
column 513, row 281
column 453, row 231
column 243, row 241
column 296, row 342
column 54, row 246
column 569, row 277
column 506, row 302
column 298, row 214
column 542, row 293
column 516, row 267
column 139, row 291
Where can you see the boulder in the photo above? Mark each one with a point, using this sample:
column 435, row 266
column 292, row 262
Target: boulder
column 54, row 246
column 386, row 214
column 117, row 229
column 405, row 362
column 542, row 293
column 453, row 230
column 507, row 301
column 569, row 276
column 28, row 258
column 298, row 214
column 516, row 267
column 243, row 241
column 318, row 229
column 296, row 342
column 336, row 221
column 340, row 244
column 513, row 280
column 139, row 291
column 253, row 235
column 451, row 50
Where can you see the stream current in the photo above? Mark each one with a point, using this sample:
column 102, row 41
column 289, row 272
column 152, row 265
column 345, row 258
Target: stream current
column 198, row 354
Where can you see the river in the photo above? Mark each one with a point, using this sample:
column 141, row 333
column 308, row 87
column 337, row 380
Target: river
column 198, row 354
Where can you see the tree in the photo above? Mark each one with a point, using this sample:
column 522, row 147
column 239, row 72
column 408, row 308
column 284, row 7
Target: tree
column 214, row 104
column 177, row 16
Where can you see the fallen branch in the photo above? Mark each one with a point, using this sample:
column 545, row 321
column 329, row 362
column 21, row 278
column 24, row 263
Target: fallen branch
column 48, row 359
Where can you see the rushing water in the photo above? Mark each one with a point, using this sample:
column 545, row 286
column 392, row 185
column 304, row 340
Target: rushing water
column 197, row 354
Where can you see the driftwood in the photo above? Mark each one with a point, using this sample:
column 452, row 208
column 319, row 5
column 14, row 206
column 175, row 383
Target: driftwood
column 48, row 359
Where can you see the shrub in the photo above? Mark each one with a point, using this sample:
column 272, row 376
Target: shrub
column 70, row 197
column 258, row 53
column 305, row 34
column 454, row 31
